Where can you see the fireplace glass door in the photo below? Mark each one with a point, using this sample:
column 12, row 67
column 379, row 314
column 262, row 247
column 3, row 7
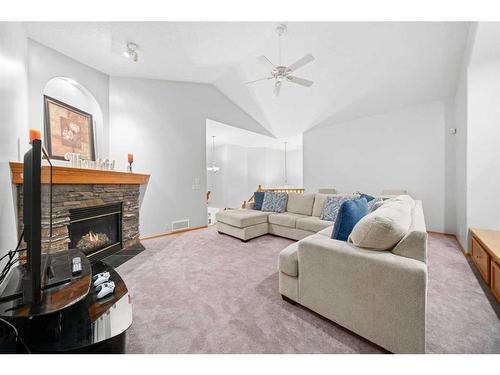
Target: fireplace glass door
column 94, row 229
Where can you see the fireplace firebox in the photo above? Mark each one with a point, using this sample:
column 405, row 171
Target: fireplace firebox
column 96, row 230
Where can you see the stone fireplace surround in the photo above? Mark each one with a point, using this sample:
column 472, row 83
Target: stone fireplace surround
column 69, row 196
column 80, row 188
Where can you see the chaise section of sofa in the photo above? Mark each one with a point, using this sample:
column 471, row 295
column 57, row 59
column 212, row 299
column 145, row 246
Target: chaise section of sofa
column 244, row 224
column 301, row 219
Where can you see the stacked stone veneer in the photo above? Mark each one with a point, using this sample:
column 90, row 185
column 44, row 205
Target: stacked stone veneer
column 66, row 197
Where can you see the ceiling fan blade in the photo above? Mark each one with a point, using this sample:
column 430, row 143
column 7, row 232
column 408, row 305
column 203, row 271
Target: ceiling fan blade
column 257, row 80
column 277, row 88
column 264, row 60
column 300, row 81
column 301, row 62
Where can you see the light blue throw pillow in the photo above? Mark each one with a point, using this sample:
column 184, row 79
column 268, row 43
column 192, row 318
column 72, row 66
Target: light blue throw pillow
column 274, row 202
column 332, row 206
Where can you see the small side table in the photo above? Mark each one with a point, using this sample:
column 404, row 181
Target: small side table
column 485, row 252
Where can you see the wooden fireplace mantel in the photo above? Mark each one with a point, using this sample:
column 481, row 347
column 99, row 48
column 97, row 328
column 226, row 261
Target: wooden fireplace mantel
column 68, row 175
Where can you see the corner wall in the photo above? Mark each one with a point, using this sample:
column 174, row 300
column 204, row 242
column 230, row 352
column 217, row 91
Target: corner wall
column 408, row 149
column 13, row 122
column 164, row 124
column 45, row 64
column 483, row 150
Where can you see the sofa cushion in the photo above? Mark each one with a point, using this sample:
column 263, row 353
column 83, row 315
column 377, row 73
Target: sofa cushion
column 288, row 261
column 274, row 201
column 285, row 219
column 393, row 192
column 319, row 203
column 374, row 204
column 349, row 214
column 241, row 218
column 384, row 228
column 300, row 203
column 401, row 198
column 313, row 224
column 258, row 199
column 327, row 232
column 327, row 191
column 413, row 245
column 332, row 205
column 367, row 197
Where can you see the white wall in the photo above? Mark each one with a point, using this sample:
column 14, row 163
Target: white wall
column 461, row 159
column 13, row 122
column 243, row 169
column 483, row 153
column 477, row 116
column 295, row 168
column 164, row 124
column 229, row 186
column 44, row 64
column 404, row 149
column 257, row 169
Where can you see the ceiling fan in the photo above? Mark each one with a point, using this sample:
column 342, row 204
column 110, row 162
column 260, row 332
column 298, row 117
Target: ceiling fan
column 283, row 73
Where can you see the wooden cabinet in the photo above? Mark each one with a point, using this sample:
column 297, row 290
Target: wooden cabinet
column 481, row 259
column 485, row 252
column 495, row 280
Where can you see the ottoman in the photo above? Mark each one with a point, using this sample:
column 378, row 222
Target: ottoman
column 244, row 224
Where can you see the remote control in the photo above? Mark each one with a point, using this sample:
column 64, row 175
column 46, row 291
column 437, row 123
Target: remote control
column 76, row 269
column 105, row 289
column 100, row 278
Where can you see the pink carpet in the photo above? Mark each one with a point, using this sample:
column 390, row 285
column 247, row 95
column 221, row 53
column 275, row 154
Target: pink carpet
column 203, row 292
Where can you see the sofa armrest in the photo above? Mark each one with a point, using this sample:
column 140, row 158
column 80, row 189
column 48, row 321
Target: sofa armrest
column 413, row 245
column 377, row 294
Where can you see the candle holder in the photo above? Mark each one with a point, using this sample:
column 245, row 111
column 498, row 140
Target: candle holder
column 129, row 166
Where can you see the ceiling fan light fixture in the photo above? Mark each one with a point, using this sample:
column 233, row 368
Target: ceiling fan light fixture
column 282, row 72
column 281, row 29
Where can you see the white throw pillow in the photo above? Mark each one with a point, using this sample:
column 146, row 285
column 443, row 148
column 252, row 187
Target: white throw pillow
column 384, row 228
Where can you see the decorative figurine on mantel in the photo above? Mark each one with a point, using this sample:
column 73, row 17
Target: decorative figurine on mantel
column 130, row 161
column 76, row 161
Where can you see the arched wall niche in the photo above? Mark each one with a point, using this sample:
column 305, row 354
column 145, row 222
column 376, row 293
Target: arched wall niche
column 71, row 92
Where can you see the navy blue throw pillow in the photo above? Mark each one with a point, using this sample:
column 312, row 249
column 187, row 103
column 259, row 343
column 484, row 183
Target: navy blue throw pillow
column 258, row 198
column 368, row 197
column 349, row 214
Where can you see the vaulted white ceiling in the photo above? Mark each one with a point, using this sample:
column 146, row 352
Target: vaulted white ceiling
column 360, row 68
column 226, row 134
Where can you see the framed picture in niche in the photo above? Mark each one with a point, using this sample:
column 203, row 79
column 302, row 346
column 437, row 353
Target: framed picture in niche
column 68, row 129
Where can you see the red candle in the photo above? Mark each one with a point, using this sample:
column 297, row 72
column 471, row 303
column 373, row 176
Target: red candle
column 35, row 134
column 130, row 158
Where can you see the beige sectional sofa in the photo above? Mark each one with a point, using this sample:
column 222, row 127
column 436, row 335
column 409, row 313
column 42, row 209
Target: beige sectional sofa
column 378, row 294
column 301, row 219
column 375, row 284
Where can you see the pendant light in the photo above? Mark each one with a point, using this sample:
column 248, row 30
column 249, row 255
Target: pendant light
column 213, row 167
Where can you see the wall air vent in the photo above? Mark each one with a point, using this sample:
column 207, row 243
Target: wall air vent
column 180, row 224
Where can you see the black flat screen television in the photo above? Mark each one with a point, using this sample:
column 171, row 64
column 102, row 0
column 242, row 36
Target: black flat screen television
column 32, row 220
column 37, row 210
column 41, row 269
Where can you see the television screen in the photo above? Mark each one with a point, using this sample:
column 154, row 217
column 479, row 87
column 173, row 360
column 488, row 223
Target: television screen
column 38, row 222
column 32, row 283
